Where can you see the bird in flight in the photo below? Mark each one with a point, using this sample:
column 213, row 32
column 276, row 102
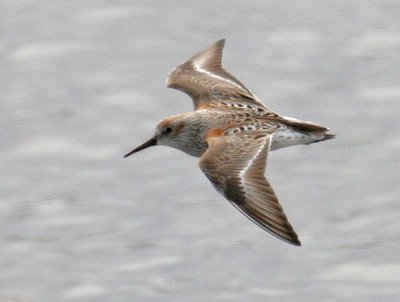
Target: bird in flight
column 232, row 131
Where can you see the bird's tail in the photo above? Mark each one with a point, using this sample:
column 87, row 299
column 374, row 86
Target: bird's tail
column 329, row 136
column 324, row 138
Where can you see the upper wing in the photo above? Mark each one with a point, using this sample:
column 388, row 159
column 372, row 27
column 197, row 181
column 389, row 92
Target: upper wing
column 203, row 78
column 236, row 165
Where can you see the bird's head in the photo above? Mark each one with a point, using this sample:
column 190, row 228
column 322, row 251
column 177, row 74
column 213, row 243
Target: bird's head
column 169, row 132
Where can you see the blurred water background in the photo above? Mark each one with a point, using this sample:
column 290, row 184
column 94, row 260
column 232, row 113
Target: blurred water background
column 82, row 83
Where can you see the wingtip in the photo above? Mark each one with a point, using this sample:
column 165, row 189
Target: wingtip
column 209, row 58
column 293, row 240
column 221, row 42
column 296, row 242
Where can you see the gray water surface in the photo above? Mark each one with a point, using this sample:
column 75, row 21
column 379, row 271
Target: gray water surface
column 82, row 83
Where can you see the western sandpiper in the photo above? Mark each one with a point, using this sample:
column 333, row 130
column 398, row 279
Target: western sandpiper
column 232, row 131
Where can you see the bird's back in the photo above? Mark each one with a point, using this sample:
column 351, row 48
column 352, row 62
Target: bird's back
column 236, row 117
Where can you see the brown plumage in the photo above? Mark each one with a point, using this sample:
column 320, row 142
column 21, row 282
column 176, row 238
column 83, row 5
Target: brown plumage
column 232, row 132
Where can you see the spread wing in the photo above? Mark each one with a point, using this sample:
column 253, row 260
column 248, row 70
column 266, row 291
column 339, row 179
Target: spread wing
column 204, row 79
column 236, row 165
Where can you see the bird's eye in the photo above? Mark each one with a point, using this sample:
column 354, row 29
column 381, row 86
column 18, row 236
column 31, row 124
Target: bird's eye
column 168, row 130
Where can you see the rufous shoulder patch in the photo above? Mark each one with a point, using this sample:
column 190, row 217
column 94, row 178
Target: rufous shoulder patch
column 215, row 132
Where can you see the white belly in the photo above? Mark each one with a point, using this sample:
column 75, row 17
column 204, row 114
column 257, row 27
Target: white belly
column 288, row 137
